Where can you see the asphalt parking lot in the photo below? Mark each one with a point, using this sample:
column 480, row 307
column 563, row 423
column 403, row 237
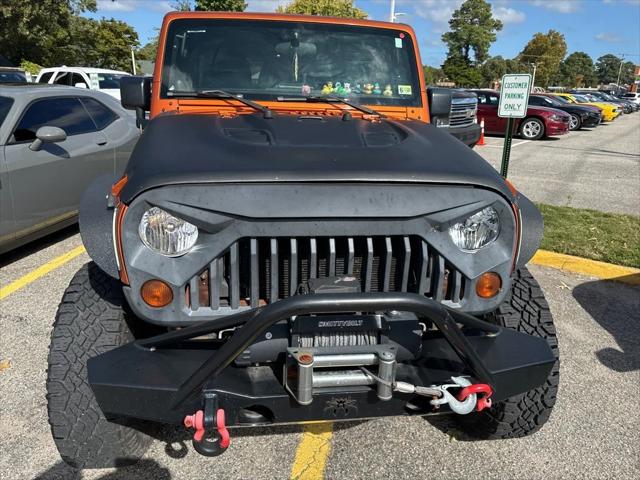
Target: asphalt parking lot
column 592, row 168
column 593, row 433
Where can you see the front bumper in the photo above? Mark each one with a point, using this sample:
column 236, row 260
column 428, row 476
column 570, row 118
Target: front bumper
column 469, row 135
column 556, row 128
column 164, row 378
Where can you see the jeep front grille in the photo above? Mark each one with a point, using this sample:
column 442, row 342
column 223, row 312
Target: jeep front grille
column 258, row 271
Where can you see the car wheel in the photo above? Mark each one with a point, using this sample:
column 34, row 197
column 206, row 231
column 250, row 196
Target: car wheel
column 90, row 321
column 575, row 123
column 532, row 129
column 525, row 310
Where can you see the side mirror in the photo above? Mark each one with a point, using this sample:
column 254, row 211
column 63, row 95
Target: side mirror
column 135, row 92
column 439, row 105
column 81, row 85
column 47, row 135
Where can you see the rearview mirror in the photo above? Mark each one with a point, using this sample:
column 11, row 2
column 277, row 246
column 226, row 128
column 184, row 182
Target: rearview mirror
column 47, row 135
column 304, row 49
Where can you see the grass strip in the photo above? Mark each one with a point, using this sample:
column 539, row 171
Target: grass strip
column 607, row 237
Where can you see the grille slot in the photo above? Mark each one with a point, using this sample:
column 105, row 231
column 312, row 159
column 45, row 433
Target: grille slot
column 258, row 271
column 459, row 115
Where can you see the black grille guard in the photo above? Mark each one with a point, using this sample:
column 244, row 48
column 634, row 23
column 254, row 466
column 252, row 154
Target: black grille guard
column 123, row 378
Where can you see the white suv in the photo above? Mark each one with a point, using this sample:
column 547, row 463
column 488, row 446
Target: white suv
column 632, row 97
column 107, row 81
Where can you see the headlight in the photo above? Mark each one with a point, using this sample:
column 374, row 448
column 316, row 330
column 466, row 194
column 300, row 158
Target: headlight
column 556, row 118
column 166, row 234
column 477, row 231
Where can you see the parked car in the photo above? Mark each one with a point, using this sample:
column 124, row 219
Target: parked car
column 625, row 107
column 461, row 120
column 581, row 116
column 54, row 141
column 540, row 121
column 609, row 111
column 632, row 97
column 12, row 75
column 353, row 260
column 107, row 81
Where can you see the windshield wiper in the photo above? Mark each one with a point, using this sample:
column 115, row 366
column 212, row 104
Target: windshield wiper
column 330, row 99
column 267, row 113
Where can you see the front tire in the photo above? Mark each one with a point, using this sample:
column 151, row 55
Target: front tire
column 575, row 123
column 90, row 321
column 532, row 129
column 525, row 310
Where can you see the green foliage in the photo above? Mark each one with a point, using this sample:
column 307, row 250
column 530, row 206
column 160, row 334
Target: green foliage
column 221, row 5
column 608, row 67
column 577, row 70
column 462, row 72
column 327, row 8
column 433, row 75
column 472, row 31
column 181, row 5
column 492, row 70
column 608, row 237
column 148, row 51
column 32, row 68
column 547, row 51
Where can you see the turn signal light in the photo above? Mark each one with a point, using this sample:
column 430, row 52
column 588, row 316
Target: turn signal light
column 156, row 293
column 488, row 285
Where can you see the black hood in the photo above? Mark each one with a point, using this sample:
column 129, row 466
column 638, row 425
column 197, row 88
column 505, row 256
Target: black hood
column 197, row 148
column 576, row 109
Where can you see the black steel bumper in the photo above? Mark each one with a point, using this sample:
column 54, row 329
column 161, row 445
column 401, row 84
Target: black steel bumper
column 164, row 378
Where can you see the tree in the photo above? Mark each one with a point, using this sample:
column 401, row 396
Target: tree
column 628, row 73
column 31, row 29
column 608, row 66
column 577, row 70
column 546, row 51
column 492, row 70
column 462, row 72
column 221, row 5
column 148, row 51
column 472, row 31
column 433, row 75
column 327, row 8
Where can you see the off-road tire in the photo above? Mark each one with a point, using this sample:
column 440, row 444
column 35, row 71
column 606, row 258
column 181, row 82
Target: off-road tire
column 90, row 320
column 531, row 132
column 525, row 310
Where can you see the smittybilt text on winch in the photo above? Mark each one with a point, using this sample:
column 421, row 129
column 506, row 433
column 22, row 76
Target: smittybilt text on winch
column 291, row 242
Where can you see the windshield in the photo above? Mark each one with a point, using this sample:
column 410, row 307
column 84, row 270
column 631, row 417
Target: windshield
column 109, row 80
column 629, row 95
column 13, row 77
column 583, row 99
column 561, row 99
column 264, row 60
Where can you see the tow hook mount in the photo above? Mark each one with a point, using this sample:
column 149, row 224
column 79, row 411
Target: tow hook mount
column 211, row 437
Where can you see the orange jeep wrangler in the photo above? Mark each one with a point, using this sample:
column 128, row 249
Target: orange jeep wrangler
column 292, row 241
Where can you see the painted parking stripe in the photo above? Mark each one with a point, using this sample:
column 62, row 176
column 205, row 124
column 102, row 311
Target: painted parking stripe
column 313, row 451
column 40, row 272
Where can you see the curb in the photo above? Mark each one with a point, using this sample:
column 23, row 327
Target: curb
column 584, row 266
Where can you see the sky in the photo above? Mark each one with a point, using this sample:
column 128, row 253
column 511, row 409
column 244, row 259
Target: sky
column 596, row 27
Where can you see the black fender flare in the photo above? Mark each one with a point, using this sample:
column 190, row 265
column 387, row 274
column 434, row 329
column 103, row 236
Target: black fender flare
column 532, row 228
column 96, row 224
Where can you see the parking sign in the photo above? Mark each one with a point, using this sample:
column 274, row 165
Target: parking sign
column 514, row 95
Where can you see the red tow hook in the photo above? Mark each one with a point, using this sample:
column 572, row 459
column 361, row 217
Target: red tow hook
column 197, row 422
column 484, row 401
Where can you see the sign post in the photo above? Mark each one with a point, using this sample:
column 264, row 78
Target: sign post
column 514, row 98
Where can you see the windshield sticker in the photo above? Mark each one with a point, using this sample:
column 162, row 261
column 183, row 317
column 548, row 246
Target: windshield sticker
column 398, row 43
column 404, row 89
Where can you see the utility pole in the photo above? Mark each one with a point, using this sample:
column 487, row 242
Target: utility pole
column 620, row 70
column 133, row 60
column 392, row 13
column 533, row 77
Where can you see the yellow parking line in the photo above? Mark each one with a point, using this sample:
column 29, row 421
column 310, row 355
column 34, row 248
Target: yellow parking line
column 313, row 451
column 40, row 272
column 605, row 271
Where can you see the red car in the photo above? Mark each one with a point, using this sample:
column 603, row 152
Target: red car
column 540, row 121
